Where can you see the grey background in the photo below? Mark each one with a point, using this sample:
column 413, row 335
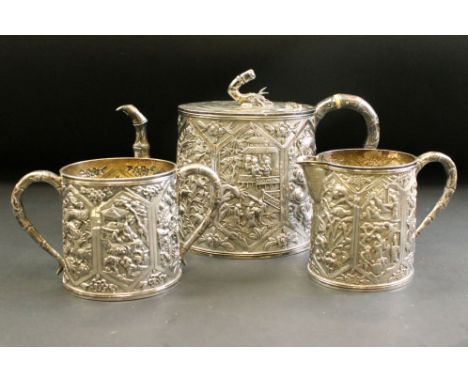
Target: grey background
column 223, row 302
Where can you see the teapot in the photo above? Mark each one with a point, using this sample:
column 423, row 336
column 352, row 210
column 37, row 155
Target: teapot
column 253, row 143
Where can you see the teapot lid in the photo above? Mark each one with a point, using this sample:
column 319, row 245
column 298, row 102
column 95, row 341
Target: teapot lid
column 247, row 104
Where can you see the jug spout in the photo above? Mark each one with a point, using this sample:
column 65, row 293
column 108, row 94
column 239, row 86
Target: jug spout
column 314, row 171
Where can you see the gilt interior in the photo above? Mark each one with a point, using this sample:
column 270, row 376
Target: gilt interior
column 367, row 158
column 117, row 168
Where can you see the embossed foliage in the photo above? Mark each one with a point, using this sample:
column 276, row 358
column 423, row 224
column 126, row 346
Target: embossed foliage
column 364, row 228
column 119, row 238
column 265, row 206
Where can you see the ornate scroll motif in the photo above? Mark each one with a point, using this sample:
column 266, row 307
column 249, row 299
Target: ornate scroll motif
column 364, row 228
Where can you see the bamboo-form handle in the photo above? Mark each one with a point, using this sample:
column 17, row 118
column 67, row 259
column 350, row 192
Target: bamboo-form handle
column 18, row 209
column 450, row 185
column 352, row 102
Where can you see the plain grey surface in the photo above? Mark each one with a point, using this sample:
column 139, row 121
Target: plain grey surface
column 222, row 302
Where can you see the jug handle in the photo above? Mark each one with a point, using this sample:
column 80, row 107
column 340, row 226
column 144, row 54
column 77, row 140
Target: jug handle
column 198, row 169
column 450, row 185
column 141, row 147
column 18, row 209
column 352, row 102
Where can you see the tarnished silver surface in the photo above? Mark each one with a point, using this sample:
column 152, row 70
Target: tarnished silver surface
column 253, row 143
column 120, row 224
column 364, row 221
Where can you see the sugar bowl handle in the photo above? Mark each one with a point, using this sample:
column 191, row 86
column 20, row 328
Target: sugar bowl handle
column 450, row 185
column 141, row 146
column 352, row 102
column 18, row 209
column 197, row 169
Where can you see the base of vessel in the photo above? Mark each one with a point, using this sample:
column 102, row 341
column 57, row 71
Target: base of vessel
column 360, row 288
column 124, row 296
column 250, row 255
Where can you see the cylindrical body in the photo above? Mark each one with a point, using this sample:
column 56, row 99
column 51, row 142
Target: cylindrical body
column 252, row 144
column 364, row 228
column 364, row 220
column 265, row 209
column 120, row 237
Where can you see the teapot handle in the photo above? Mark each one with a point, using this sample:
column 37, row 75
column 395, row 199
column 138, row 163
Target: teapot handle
column 198, row 169
column 352, row 102
column 141, row 146
column 450, row 186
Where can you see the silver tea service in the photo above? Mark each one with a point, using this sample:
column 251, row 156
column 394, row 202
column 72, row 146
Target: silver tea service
column 247, row 184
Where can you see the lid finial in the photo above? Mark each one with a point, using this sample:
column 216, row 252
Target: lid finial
column 247, row 99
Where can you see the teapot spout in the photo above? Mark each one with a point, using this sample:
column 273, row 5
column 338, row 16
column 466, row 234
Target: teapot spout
column 314, row 171
column 141, row 146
